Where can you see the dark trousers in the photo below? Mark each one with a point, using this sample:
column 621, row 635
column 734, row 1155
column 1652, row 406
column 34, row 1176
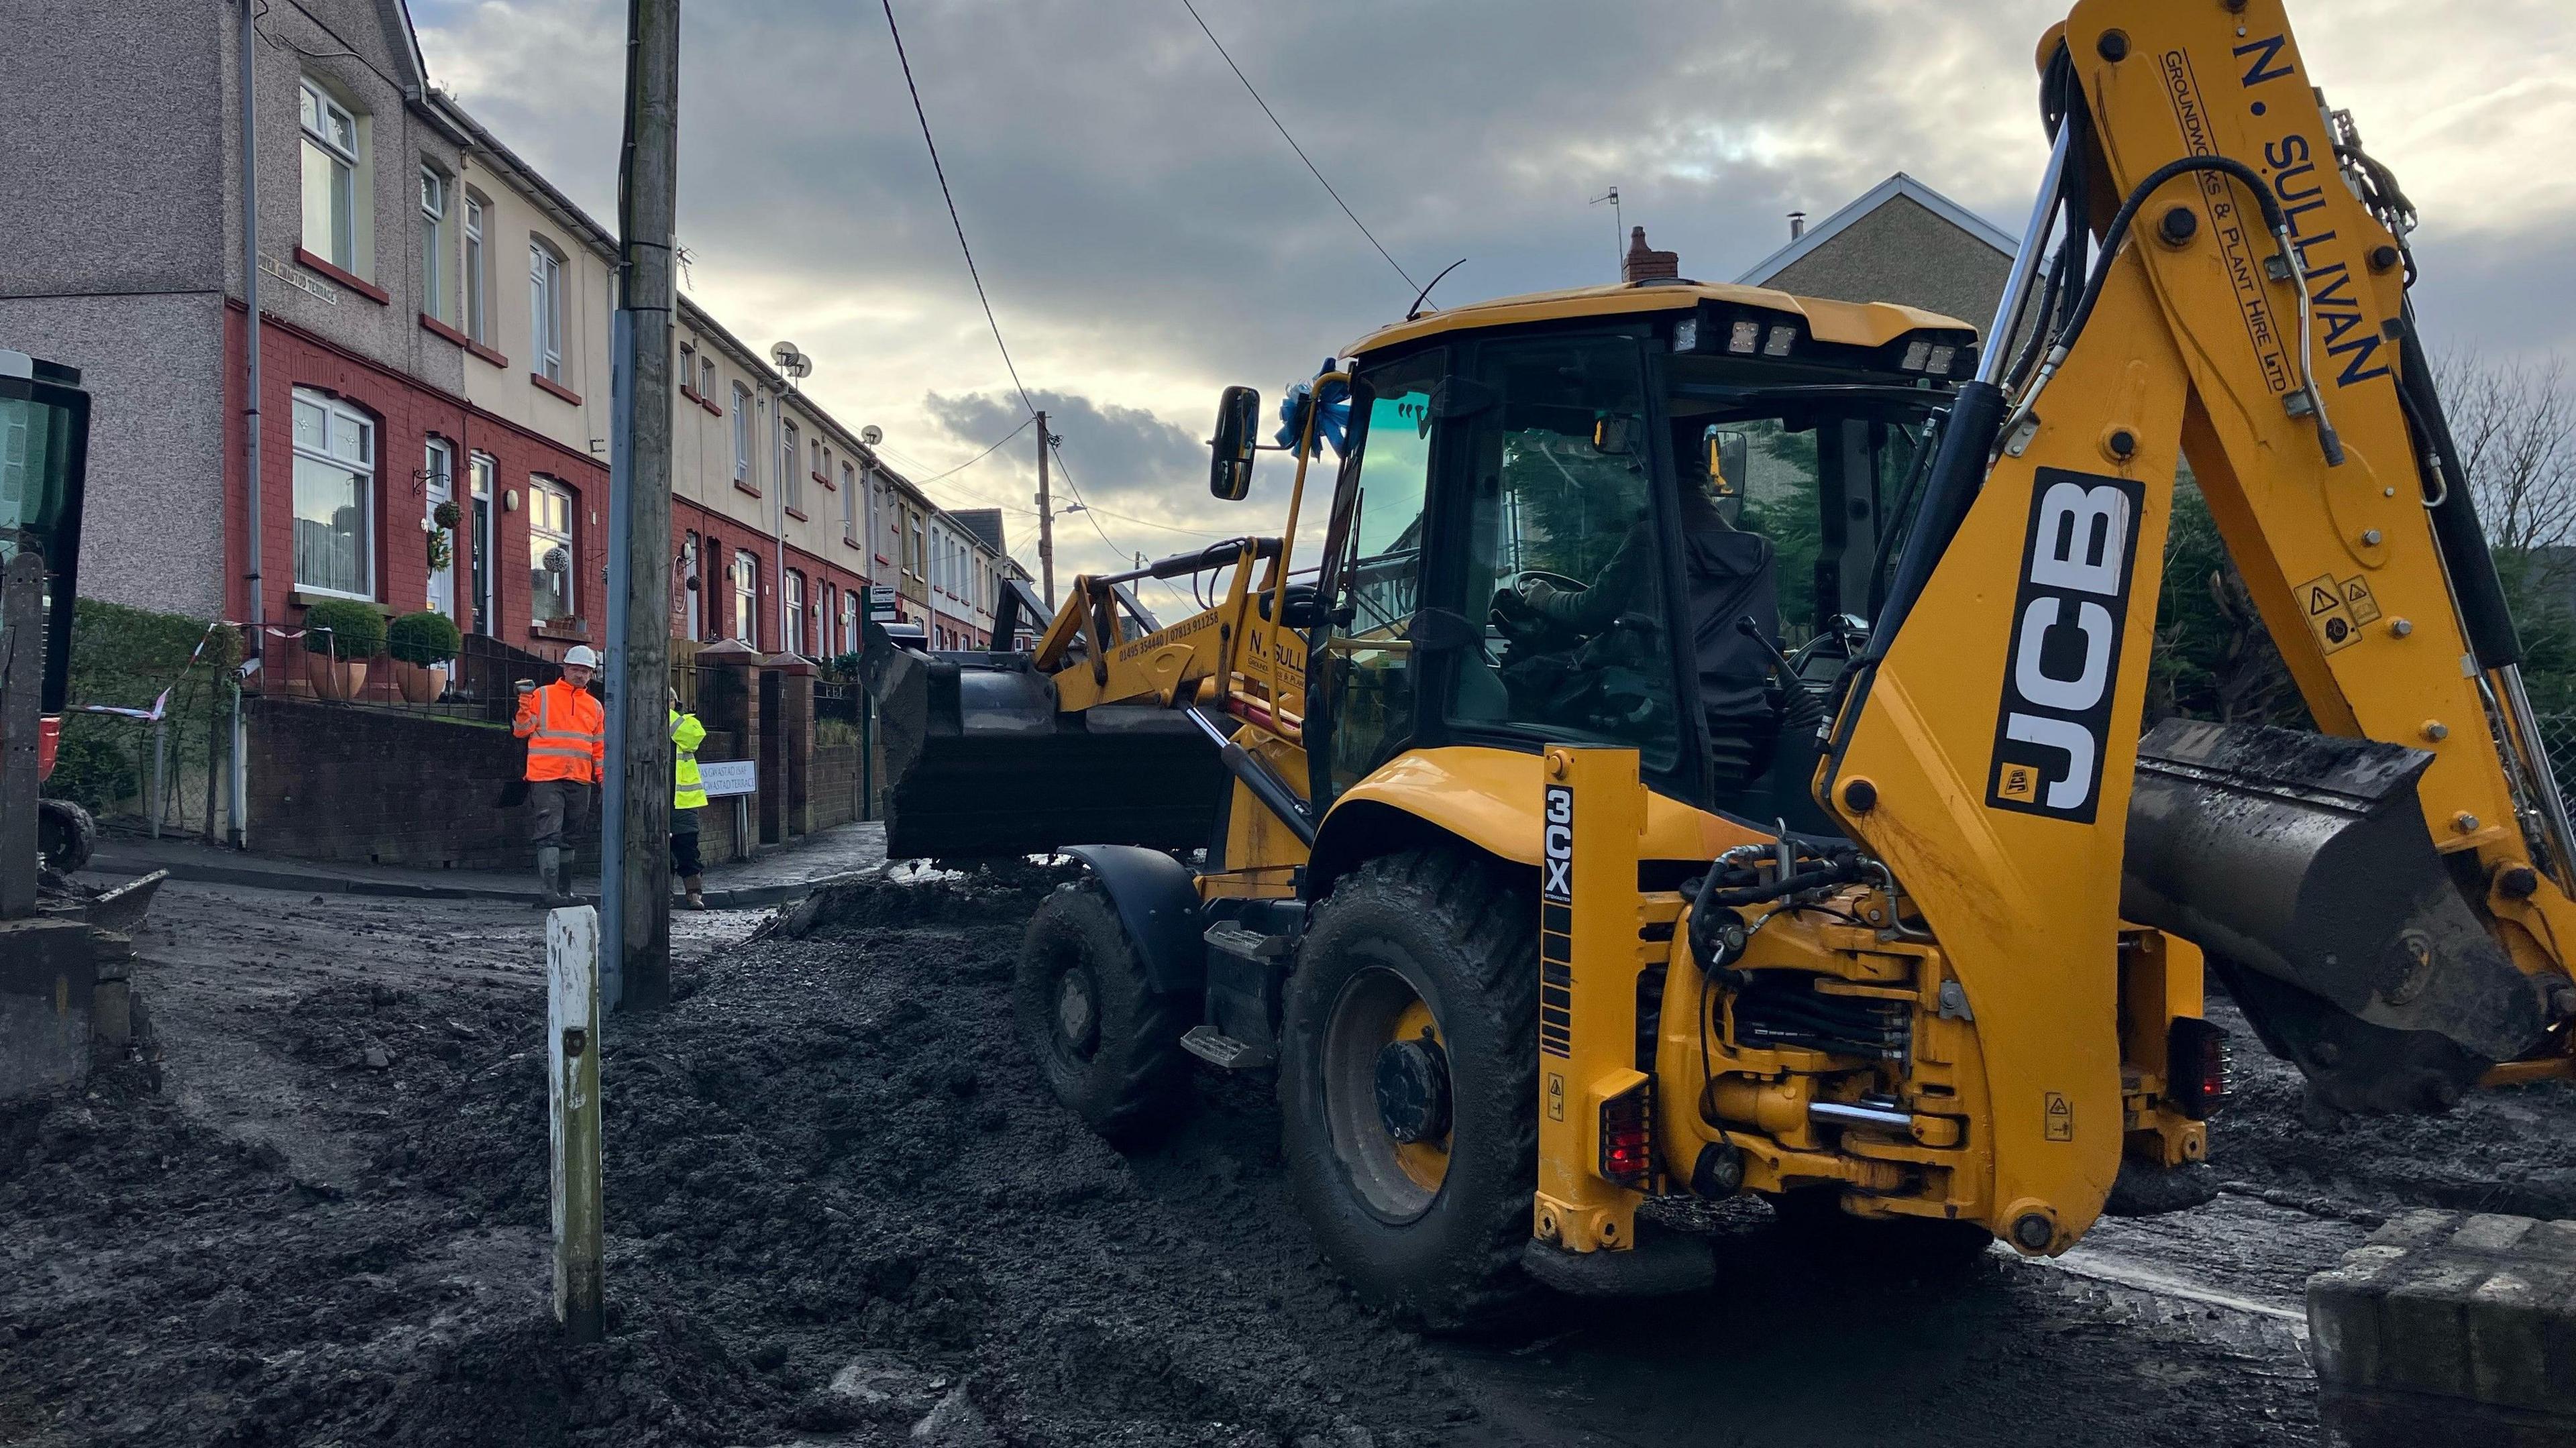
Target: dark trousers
column 559, row 806
column 684, row 850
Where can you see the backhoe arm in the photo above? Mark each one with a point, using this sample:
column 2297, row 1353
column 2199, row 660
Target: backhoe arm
column 2388, row 904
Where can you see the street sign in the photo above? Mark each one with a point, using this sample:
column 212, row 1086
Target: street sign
column 726, row 777
column 881, row 600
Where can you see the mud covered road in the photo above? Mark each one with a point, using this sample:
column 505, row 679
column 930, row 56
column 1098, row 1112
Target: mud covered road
column 842, row 1211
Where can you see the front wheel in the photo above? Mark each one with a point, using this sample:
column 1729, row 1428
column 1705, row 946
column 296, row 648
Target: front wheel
column 1108, row 1044
column 1408, row 1085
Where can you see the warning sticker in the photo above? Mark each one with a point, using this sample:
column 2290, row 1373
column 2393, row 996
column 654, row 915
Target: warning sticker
column 2060, row 1117
column 2357, row 600
column 1555, row 1097
column 2016, row 781
column 2329, row 616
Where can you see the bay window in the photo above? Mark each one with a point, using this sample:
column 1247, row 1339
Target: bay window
column 335, row 493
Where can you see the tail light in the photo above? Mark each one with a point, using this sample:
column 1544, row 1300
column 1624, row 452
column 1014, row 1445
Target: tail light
column 49, row 737
column 1627, row 1138
column 2196, row 1067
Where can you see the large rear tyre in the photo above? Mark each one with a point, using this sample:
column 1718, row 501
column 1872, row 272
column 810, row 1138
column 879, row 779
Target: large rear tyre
column 1408, row 1086
column 1108, row 1044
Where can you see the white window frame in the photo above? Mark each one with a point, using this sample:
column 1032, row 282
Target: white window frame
column 745, row 461
column 545, row 309
column 434, row 191
column 707, row 377
column 478, row 276
column 795, row 585
column 849, row 502
column 746, row 601
column 336, row 414
column 540, row 486
column 791, row 468
column 317, row 109
column 688, row 369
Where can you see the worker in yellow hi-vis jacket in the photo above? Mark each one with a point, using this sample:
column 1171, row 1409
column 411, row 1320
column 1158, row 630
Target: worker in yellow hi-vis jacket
column 688, row 796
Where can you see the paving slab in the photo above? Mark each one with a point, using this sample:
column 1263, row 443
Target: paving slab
column 2466, row 1320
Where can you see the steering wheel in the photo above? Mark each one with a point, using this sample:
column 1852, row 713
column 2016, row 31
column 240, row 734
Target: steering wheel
column 1562, row 583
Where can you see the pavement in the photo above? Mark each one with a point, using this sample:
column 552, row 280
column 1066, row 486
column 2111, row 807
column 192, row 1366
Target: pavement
column 780, row 873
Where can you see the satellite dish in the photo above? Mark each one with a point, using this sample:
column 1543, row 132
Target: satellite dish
column 791, row 361
column 872, row 434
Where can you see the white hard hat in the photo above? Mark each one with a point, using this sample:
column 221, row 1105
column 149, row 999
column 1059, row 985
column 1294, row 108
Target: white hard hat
column 580, row 654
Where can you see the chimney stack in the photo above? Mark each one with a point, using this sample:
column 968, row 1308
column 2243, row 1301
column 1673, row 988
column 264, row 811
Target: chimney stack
column 1797, row 224
column 1643, row 264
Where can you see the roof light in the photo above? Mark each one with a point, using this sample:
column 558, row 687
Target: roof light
column 1777, row 344
column 1916, row 353
column 1942, row 357
column 1746, row 335
column 1686, row 335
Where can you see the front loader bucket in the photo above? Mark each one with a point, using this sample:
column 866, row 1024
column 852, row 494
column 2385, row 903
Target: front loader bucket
column 981, row 764
column 2301, row 864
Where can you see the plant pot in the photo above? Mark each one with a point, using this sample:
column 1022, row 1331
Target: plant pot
column 336, row 679
column 420, row 683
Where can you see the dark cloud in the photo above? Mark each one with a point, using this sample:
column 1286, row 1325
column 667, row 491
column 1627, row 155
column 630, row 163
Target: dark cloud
column 1145, row 236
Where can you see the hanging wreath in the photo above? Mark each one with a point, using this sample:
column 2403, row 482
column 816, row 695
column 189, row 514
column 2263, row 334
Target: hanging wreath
column 441, row 552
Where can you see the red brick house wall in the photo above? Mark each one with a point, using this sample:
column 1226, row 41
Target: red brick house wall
column 718, row 538
column 407, row 414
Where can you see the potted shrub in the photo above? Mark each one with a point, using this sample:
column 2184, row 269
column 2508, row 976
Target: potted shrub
column 340, row 636
column 422, row 645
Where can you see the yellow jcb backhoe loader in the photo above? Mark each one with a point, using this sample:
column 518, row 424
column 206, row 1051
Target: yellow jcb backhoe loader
column 1547, row 882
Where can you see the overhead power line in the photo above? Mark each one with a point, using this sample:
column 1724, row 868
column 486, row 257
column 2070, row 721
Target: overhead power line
column 979, row 457
column 1293, row 146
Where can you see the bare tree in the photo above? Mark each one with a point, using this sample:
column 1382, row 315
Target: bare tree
column 2515, row 423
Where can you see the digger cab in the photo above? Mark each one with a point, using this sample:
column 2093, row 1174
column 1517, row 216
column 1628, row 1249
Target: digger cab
column 1650, row 517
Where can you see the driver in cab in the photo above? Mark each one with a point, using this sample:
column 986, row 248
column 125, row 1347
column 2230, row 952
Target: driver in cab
column 1730, row 576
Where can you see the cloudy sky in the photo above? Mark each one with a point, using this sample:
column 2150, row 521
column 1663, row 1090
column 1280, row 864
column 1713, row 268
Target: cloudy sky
column 1147, row 238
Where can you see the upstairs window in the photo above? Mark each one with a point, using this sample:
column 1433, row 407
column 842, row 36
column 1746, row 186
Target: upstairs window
column 687, row 371
column 335, row 497
column 791, row 478
column 707, row 377
column 478, row 274
column 433, row 244
column 546, row 310
column 330, row 177
column 849, row 503
column 742, row 437
column 551, row 566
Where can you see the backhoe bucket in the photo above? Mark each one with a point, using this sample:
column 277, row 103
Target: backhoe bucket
column 980, row 763
column 2300, row 863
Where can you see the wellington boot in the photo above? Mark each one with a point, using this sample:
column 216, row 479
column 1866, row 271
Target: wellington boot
column 696, row 886
column 549, row 871
column 563, row 876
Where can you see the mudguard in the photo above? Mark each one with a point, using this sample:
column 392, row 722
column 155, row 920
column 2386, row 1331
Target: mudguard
column 1158, row 905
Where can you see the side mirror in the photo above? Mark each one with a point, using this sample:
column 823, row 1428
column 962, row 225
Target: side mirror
column 1238, row 413
column 1726, row 460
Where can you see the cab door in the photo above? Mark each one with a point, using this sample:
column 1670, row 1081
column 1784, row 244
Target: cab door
column 1363, row 678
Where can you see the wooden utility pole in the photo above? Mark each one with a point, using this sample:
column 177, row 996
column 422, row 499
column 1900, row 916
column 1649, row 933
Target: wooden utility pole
column 1046, row 517
column 635, row 866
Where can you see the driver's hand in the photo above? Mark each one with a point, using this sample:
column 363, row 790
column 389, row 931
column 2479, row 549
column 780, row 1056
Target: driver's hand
column 1535, row 592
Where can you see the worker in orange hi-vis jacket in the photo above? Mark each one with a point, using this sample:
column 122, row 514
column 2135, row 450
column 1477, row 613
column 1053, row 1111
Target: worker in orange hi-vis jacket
column 567, row 734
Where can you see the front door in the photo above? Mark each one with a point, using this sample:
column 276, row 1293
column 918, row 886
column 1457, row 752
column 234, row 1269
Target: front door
column 479, row 563
column 1362, row 665
column 438, row 471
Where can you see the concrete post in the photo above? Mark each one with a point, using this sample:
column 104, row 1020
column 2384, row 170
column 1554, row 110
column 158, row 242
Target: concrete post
column 572, row 1098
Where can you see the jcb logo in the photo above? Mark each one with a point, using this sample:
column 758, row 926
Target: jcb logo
column 1556, row 874
column 2064, row 664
